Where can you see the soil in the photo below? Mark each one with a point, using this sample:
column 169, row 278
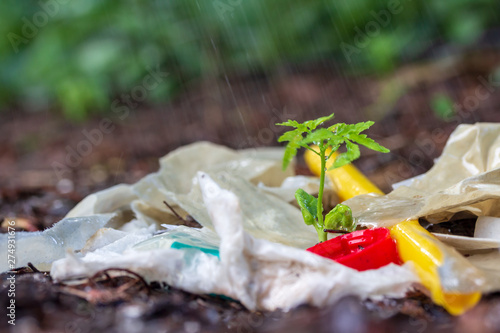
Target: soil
column 123, row 303
column 38, row 187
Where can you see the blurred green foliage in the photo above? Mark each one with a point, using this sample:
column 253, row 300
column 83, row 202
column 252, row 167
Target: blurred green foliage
column 442, row 105
column 78, row 55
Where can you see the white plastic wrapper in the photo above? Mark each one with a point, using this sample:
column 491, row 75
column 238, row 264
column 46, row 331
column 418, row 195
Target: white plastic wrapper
column 260, row 273
column 251, row 245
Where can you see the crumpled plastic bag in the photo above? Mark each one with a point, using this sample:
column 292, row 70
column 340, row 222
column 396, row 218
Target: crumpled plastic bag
column 251, row 245
column 260, row 273
column 465, row 181
column 248, row 173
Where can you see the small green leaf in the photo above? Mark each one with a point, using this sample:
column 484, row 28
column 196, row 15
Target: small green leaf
column 333, row 128
column 312, row 124
column 289, row 136
column 340, row 218
column 350, row 155
column 308, row 206
column 290, row 152
column 337, row 128
column 345, row 129
column 294, row 138
column 363, row 126
column 293, row 123
column 320, row 135
column 362, row 139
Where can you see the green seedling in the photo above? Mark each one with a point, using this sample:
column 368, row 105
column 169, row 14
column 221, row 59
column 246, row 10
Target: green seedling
column 328, row 140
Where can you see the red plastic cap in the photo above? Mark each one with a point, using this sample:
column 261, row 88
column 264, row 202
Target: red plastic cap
column 361, row 250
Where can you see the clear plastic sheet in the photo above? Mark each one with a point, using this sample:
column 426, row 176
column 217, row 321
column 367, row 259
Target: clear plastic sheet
column 41, row 248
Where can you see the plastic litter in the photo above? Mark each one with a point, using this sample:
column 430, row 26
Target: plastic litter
column 41, row 248
column 258, row 233
column 361, row 249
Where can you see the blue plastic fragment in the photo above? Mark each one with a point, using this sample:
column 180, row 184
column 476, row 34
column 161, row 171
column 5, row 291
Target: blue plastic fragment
column 179, row 246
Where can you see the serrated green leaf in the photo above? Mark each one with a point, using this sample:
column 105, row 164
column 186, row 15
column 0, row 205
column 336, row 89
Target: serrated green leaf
column 290, row 152
column 293, row 123
column 289, row 122
column 312, row 124
column 362, row 139
column 350, row 155
column 337, row 128
column 363, row 126
column 320, row 135
column 289, row 136
column 346, row 129
column 308, row 206
column 333, row 128
column 340, row 218
column 294, row 138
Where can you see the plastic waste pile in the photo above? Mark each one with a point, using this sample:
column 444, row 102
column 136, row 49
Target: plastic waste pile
column 252, row 243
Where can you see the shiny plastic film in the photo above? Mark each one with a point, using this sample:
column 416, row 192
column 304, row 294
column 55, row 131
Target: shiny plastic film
column 465, row 180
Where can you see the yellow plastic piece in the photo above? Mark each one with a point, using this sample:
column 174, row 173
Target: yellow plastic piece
column 348, row 180
column 420, row 246
column 414, row 243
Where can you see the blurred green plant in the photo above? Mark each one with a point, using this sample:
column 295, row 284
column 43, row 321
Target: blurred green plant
column 77, row 55
column 442, row 105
